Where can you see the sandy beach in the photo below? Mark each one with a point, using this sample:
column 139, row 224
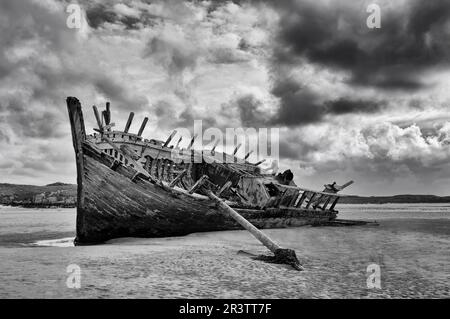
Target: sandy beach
column 410, row 247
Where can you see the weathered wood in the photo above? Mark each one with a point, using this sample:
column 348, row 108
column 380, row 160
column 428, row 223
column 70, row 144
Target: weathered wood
column 179, row 141
column 334, row 203
column 97, row 117
column 198, row 184
column 248, row 154
column 237, row 148
column 136, row 165
column 224, row 188
column 178, row 178
column 78, row 138
column 324, row 206
column 166, row 143
column 302, row 198
column 141, row 129
column 260, row 162
column 214, row 146
column 192, row 142
column 263, row 238
column 107, row 114
column 318, row 201
column 130, row 119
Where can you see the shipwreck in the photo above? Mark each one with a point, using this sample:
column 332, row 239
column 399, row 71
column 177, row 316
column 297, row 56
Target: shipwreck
column 129, row 186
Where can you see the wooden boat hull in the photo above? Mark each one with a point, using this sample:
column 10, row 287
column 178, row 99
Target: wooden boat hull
column 115, row 206
column 113, row 202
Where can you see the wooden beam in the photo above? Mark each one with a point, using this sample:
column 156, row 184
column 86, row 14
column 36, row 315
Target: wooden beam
column 237, row 148
column 166, row 143
column 324, row 206
column 334, row 203
column 178, row 178
column 97, row 117
column 107, row 114
column 248, row 154
column 130, row 119
column 144, row 123
column 302, row 198
column 192, row 142
column 282, row 255
column 260, row 162
column 198, row 184
column 214, row 146
column 179, row 141
column 224, row 188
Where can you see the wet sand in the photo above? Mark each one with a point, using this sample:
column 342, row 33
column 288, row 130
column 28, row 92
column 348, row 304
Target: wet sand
column 413, row 254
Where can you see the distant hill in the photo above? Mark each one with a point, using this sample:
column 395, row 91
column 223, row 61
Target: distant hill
column 55, row 194
column 396, row 199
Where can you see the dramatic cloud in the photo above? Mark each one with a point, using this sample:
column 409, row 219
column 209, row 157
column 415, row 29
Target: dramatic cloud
column 351, row 102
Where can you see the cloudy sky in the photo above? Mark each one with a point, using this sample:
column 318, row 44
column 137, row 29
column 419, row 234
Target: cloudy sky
column 372, row 105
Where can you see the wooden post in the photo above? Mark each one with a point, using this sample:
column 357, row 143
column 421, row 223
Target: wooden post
column 144, row 123
column 130, row 119
column 324, row 206
column 97, row 117
column 281, row 255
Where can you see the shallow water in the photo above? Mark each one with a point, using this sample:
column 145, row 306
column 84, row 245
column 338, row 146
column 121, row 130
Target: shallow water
column 411, row 246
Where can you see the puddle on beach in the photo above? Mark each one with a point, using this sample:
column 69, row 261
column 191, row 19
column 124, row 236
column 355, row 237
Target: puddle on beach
column 62, row 242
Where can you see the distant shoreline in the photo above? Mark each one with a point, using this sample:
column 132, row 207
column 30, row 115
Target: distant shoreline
column 64, row 195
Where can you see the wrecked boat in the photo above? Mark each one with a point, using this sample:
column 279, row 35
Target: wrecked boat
column 129, row 186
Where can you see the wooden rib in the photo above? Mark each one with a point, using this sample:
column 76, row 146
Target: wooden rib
column 302, row 198
column 237, row 148
column 178, row 178
column 198, row 184
column 130, row 119
column 260, row 162
column 97, row 117
column 224, row 188
column 166, row 143
column 248, row 154
column 334, row 203
column 144, row 123
column 324, row 206
column 192, row 142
